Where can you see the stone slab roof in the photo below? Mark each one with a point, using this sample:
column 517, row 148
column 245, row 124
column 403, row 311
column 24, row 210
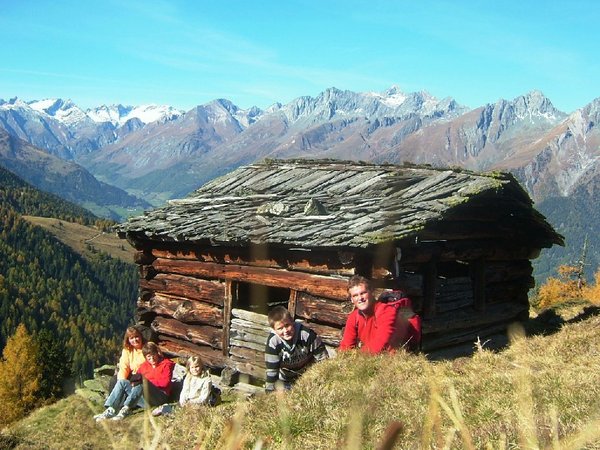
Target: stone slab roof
column 326, row 203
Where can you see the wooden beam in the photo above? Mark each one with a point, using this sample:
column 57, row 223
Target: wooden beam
column 461, row 336
column 429, row 289
column 314, row 261
column 466, row 318
column 184, row 310
column 252, row 327
column 210, row 356
column 322, row 310
column 189, row 287
column 477, row 269
column 197, row 334
column 241, row 334
column 334, row 288
column 260, row 319
column 227, row 306
column 292, row 303
column 329, row 335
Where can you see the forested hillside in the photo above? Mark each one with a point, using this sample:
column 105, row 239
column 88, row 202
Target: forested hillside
column 573, row 218
column 85, row 303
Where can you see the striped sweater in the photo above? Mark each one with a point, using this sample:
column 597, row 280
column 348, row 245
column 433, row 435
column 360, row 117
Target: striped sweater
column 285, row 360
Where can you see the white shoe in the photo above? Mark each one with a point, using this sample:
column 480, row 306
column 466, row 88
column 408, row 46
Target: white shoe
column 122, row 413
column 107, row 414
column 162, row 409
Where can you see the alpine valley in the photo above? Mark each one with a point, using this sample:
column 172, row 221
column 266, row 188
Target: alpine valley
column 117, row 160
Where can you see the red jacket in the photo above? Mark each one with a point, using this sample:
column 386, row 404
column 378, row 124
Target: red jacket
column 160, row 376
column 373, row 334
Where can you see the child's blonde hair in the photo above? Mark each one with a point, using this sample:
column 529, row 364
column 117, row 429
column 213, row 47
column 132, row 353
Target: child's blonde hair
column 195, row 361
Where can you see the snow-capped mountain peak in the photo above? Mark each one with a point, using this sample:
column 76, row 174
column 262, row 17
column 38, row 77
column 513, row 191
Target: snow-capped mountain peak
column 119, row 114
column 64, row 111
column 12, row 103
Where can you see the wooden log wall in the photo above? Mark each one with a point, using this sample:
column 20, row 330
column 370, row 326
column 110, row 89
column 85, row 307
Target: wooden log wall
column 186, row 293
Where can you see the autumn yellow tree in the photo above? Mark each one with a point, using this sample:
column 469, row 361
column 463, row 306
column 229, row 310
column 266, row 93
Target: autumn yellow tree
column 560, row 290
column 569, row 286
column 20, row 376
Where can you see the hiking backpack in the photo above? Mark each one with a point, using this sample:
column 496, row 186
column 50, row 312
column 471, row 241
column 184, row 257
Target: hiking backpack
column 407, row 321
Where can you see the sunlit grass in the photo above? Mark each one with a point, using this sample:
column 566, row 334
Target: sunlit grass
column 541, row 393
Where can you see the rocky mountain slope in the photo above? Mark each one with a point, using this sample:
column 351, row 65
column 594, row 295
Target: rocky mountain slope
column 552, row 153
column 65, row 179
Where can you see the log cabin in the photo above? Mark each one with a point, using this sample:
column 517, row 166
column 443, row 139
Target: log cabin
column 291, row 232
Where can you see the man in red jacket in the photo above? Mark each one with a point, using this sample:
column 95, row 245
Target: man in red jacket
column 372, row 325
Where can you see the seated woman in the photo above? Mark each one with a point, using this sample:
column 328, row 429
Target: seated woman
column 126, row 392
column 156, row 372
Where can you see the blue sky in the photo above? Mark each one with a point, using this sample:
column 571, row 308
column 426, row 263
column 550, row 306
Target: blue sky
column 187, row 53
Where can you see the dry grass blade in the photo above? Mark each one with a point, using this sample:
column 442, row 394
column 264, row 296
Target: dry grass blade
column 457, row 419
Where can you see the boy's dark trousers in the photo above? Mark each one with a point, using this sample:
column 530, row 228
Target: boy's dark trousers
column 153, row 396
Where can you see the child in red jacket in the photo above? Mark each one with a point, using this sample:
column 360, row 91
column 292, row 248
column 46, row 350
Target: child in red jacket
column 156, row 373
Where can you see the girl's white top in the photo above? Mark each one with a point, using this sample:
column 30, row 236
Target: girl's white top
column 195, row 390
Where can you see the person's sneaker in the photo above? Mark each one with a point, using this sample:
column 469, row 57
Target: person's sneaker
column 107, row 414
column 122, row 413
column 162, row 409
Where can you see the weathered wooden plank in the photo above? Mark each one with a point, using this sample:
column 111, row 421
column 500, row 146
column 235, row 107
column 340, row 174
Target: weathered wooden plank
column 508, row 291
column 197, row 334
column 466, row 250
column 256, row 357
column 319, row 285
column 227, row 307
column 429, row 290
column 188, row 287
column 210, row 356
column 322, row 310
column 329, row 335
column 457, row 303
column 244, row 335
column 460, row 336
column 247, row 367
column 250, row 316
column 465, row 319
column 500, row 272
column 478, row 275
column 314, row 261
column 292, row 303
column 246, row 344
column 252, row 327
column 184, row 310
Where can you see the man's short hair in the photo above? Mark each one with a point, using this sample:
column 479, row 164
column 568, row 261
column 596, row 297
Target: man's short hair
column 278, row 314
column 359, row 279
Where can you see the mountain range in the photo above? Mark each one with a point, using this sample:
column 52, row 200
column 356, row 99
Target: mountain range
column 158, row 152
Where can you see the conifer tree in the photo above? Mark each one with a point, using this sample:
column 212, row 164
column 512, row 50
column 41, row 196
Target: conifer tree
column 20, row 376
column 55, row 365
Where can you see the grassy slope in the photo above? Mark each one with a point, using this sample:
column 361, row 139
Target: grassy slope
column 81, row 238
column 541, row 390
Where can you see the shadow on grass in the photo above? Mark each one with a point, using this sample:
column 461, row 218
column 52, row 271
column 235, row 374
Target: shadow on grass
column 550, row 321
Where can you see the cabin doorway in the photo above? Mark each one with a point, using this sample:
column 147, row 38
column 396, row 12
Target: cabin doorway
column 248, row 327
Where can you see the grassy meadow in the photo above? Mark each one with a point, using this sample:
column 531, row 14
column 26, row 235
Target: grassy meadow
column 85, row 239
column 543, row 392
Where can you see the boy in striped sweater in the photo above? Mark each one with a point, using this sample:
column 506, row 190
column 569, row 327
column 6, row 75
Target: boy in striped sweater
column 291, row 348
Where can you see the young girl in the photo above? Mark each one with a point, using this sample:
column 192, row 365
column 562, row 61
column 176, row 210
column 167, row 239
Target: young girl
column 125, row 392
column 197, row 385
